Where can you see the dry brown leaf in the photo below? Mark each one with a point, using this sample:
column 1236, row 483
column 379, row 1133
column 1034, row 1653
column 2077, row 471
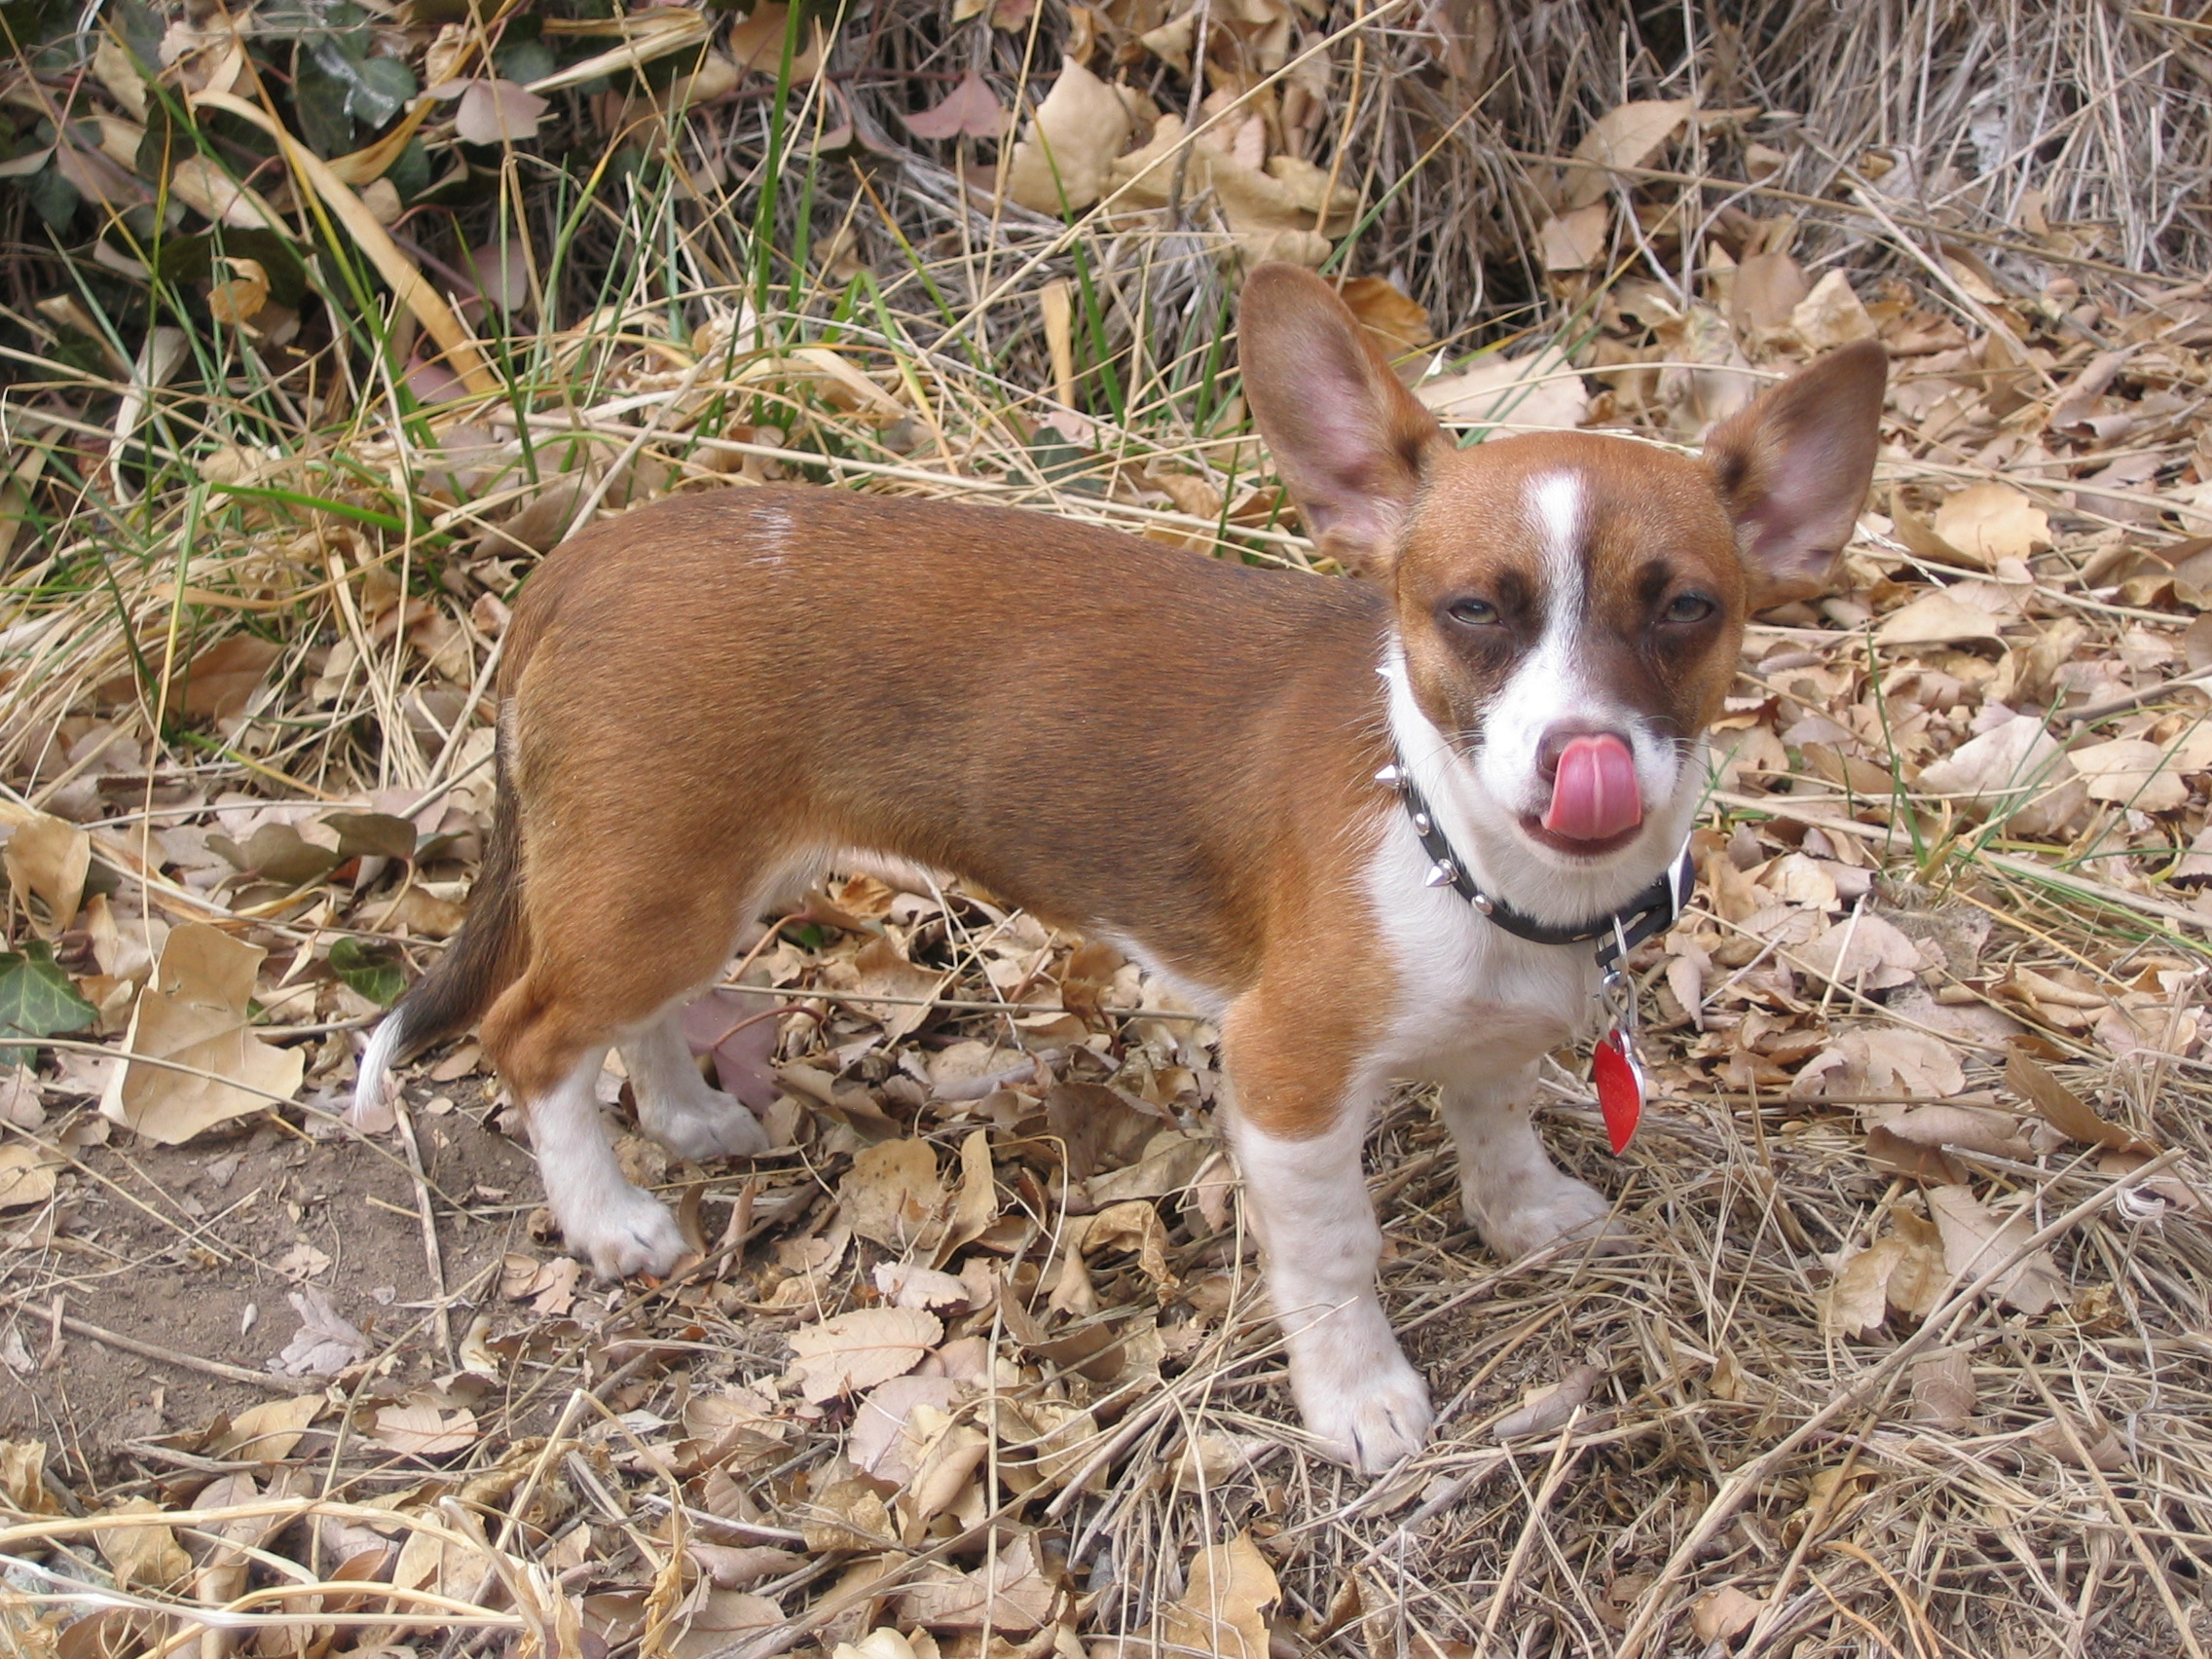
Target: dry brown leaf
column 193, row 1012
column 971, row 110
column 1989, row 522
column 1171, row 1160
column 878, row 969
column 907, row 1284
column 202, row 184
column 2000, row 771
column 1576, row 240
column 242, row 296
column 880, row 1444
column 845, row 1515
column 1796, row 879
column 1010, row 1594
column 1975, row 1238
column 2094, row 1445
column 883, row 1643
column 946, row 1454
column 26, row 1175
column 1936, row 618
column 1626, row 137
column 710, row 1623
column 734, row 1567
column 1766, row 291
column 549, row 1286
column 1722, row 1615
column 859, row 1350
column 893, row 1193
column 1831, row 314
column 497, row 112
column 1271, row 213
column 975, row 1205
column 143, row 1557
column 1551, row 1407
column 1898, row 1272
column 1206, row 1461
column 47, row 859
column 1866, row 953
column 268, row 1432
column 2133, row 772
column 1943, row 1394
column 1399, row 324
column 2065, row 1111
column 1881, row 1061
column 1708, row 378
column 1974, row 1129
column 1539, row 393
column 418, row 1427
column 1134, row 1225
column 1223, row 1611
column 22, row 1478
column 327, row 1342
column 221, row 681
column 1066, row 154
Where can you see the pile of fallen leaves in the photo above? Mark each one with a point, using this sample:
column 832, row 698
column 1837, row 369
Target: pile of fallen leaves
column 974, row 1362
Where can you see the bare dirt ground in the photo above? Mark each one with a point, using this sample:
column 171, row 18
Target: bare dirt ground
column 194, row 1251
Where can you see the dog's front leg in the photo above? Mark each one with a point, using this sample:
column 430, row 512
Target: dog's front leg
column 1516, row 1197
column 1298, row 1149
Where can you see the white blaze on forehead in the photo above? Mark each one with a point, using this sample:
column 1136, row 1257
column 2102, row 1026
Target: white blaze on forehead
column 1552, row 682
column 1554, row 504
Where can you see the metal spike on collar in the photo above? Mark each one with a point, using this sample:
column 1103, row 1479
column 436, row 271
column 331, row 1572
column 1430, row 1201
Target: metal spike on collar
column 1442, row 873
column 1391, row 777
column 1482, row 903
column 1422, row 824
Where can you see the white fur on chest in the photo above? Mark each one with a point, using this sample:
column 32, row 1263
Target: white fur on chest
column 1467, row 989
column 1465, row 986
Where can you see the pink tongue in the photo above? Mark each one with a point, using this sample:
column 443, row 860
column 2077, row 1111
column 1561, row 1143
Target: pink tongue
column 1594, row 793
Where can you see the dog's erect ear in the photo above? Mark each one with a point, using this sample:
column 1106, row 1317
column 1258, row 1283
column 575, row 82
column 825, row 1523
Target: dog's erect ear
column 1349, row 440
column 1794, row 469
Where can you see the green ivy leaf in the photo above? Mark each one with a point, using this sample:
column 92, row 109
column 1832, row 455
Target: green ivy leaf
column 381, row 86
column 54, row 196
column 373, row 970
column 36, row 1000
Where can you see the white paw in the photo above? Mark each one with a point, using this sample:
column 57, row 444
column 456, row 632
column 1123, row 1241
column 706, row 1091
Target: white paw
column 712, row 1125
column 1369, row 1416
column 1354, row 1386
column 633, row 1232
column 1561, row 1209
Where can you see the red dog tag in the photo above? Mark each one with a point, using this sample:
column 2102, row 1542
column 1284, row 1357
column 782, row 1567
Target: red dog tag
column 1619, row 1076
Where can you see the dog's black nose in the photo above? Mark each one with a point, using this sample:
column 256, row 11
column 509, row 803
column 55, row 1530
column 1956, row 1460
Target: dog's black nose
column 1553, row 744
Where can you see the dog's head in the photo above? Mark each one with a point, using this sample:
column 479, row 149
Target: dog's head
column 1569, row 606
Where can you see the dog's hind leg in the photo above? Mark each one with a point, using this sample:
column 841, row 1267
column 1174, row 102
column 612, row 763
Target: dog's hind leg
column 612, row 948
column 676, row 1106
column 619, row 1228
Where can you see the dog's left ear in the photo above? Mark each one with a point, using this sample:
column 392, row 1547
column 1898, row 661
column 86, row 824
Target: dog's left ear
column 1351, row 442
column 1794, row 469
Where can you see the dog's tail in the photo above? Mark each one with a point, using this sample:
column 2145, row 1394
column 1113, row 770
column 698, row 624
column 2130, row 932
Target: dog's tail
column 485, row 957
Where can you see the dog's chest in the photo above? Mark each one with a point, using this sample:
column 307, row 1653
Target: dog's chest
column 1466, row 989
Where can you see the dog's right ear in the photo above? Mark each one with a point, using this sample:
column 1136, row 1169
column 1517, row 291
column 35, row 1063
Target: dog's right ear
column 1351, row 442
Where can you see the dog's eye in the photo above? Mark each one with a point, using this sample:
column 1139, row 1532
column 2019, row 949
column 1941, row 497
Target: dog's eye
column 1472, row 612
column 1688, row 608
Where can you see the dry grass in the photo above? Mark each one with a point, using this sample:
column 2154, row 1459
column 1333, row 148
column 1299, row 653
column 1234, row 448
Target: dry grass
column 249, row 573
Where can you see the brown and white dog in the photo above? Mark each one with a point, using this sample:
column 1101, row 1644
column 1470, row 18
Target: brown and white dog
column 705, row 703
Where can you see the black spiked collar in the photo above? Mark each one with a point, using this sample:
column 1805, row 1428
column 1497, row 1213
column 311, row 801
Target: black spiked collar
column 1616, row 933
